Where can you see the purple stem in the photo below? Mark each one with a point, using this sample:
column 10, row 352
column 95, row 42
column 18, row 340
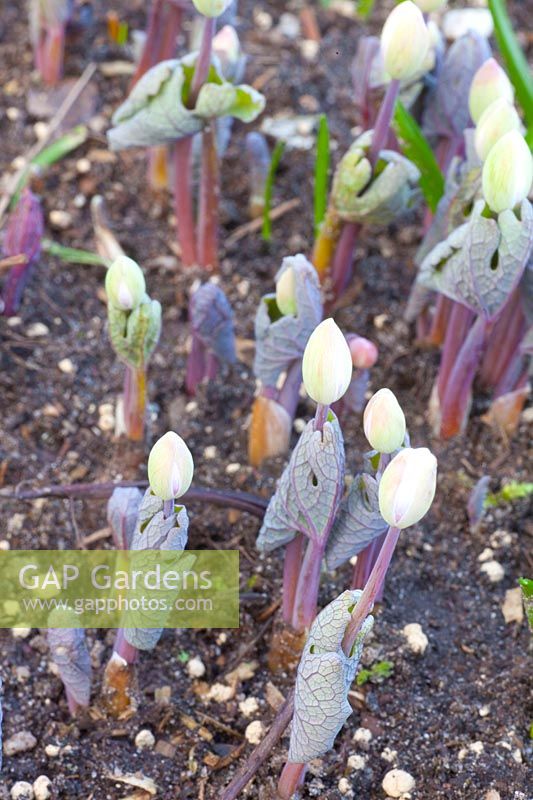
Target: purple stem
column 196, row 365
column 203, row 61
column 459, row 324
column 371, row 590
column 455, row 404
column 291, row 571
column 168, row 508
column 290, row 391
column 209, row 195
column 342, row 267
column 73, row 705
column 512, row 377
column 503, row 341
column 212, row 366
column 14, row 286
column 306, row 595
column 321, row 415
column 365, row 564
column 124, row 649
column 383, row 121
column 291, row 778
column 183, row 200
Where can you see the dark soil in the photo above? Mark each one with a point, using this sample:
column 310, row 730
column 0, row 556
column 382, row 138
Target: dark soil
column 470, row 686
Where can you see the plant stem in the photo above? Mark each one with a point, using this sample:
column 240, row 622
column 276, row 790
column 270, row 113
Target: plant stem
column 441, row 317
column 292, row 776
column 326, row 243
column 183, row 200
column 321, row 415
column 208, row 200
column 457, row 329
column 291, row 571
column 290, row 391
column 134, row 402
column 53, row 52
column 503, row 341
column 196, row 365
column 365, row 563
column 455, row 404
column 306, row 595
column 203, row 62
column 371, row 590
column 342, row 266
column 383, row 121
column 14, row 288
column 124, row 649
column 262, row 751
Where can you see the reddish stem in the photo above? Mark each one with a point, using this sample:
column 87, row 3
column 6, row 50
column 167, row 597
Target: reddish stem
column 124, row 649
column 342, row 267
column 457, row 396
column 134, row 403
column 503, row 341
column 441, row 318
column 183, row 200
column 291, row 571
column 203, row 62
column 383, row 121
column 291, row 778
column 459, row 324
column 53, row 54
column 306, row 595
column 208, row 200
column 365, row 563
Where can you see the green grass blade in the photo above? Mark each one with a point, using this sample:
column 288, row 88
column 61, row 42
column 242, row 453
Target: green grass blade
column 365, row 8
column 269, row 184
column 515, row 60
column 71, row 254
column 418, row 150
column 321, row 172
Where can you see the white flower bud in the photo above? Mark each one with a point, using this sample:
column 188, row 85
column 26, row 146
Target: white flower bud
column 507, row 173
column 211, row 8
column 170, row 467
column 407, row 487
column 384, row 422
column 286, row 293
column 327, row 364
column 488, row 84
column 427, row 6
column 405, row 41
column 124, row 283
column 497, row 120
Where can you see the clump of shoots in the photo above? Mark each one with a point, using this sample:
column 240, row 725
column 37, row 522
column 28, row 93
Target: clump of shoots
column 134, row 329
column 212, row 335
column 48, row 19
column 160, row 525
column 23, row 240
column 259, row 167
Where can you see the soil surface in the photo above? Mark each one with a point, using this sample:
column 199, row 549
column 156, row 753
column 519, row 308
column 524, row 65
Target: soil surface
column 457, row 717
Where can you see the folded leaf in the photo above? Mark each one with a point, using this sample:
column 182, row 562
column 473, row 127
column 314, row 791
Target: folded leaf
column 281, row 340
column 212, row 321
column 482, row 261
column 358, row 522
column 156, row 111
column 134, row 334
column 324, row 677
column 309, row 491
column 69, row 653
column 122, row 512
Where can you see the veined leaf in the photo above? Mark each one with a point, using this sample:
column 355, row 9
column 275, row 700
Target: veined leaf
column 515, row 60
column 418, row 150
column 321, row 172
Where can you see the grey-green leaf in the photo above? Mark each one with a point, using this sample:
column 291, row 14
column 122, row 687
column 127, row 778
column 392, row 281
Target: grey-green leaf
column 324, row 677
column 309, row 491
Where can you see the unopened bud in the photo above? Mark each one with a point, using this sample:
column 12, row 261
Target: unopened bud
column 327, row 364
column 351, row 176
column 497, row 120
column 124, row 284
column 405, row 41
column 170, row 467
column 407, row 487
column 489, row 84
column 211, row 8
column 384, row 422
column 364, row 352
column 286, row 293
column 507, row 173
column 427, row 6
column 227, row 47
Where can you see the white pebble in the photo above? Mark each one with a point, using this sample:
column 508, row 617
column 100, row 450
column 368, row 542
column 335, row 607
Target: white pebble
column 20, row 742
column 356, row 762
column 492, row 794
column 493, row 570
column 484, row 711
column 12, row 113
column 191, row 407
column 52, row 750
column 417, row 640
column 144, row 740
column 344, row 786
column 233, row 468
column 83, row 165
column 362, row 736
column 397, row 782
column 37, row 329
column 20, row 633
column 220, row 693
column 42, row 788
column 254, row 732
column 249, row 707
column 389, row 755
column 243, row 287
column 4, row 544
column 299, row 425
column 66, row 365
column 486, row 555
column 210, row 452
column 22, row 790
column 512, row 607
column 60, row 219
column 196, row 667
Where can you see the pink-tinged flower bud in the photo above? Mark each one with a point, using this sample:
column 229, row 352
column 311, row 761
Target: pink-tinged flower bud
column 327, row 364
column 286, row 293
column 407, row 487
column 384, row 422
column 211, row 8
column 507, row 173
column 364, row 352
column 170, row 467
column 497, row 120
column 427, row 6
column 124, row 284
column 489, row 84
column 227, row 47
column 405, row 41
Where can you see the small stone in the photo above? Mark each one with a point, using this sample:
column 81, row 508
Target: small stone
column 254, row 732
column 501, row 538
column 22, row 790
column 299, row 425
column 512, row 608
column 162, row 695
column 20, row 742
column 397, row 782
column 380, row 321
column 289, row 26
column 22, row 674
column 389, row 755
column 12, row 113
column 20, row 633
column 196, row 668
column 4, row 544
column 362, row 736
column 249, row 706
column 274, row 697
column 484, row 711
column 356, row 762
column 66, row 365
column 15, row 523
column 37, row 329
column 83, row 165
column 493, row 570
column 41, row 130
column 42, row 788
column 191, row 407
column 344, row 786
column 309, row 49
column 52, row 750
column 106, row 417
column 221, row 693
column 243, row 287
column 486, row 555
column 417, row 641
column 233, row 468
column 210, row 452
column 60, row 219
column 492, row 794
column 144, row 740
column 476, row 747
